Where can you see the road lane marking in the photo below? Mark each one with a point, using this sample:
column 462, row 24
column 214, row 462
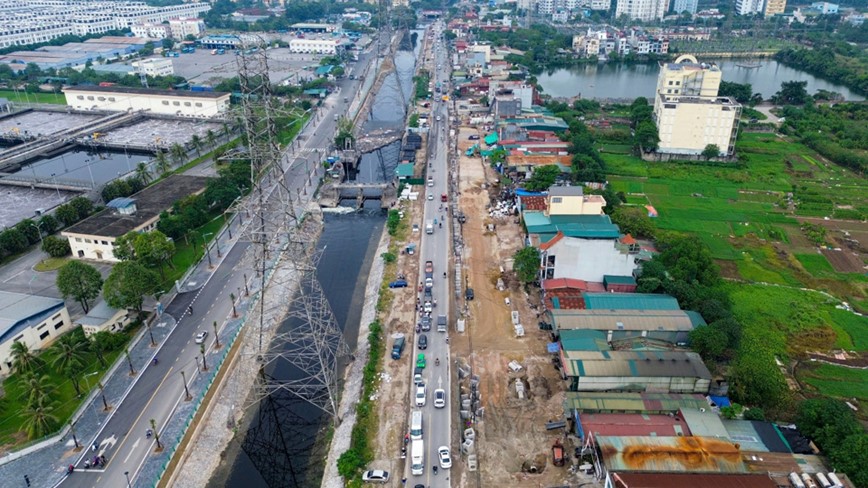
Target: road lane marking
column 132, row 449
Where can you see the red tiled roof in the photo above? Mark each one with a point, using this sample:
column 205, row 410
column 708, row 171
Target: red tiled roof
column 547, row 245
column 628, row 239
column 556, row 283
column 534, row 202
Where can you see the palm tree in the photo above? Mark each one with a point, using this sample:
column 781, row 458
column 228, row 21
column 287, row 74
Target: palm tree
column 36, row 388
column 23, row 360
column 163, row 165
column 38, row 419
column 196, row 141
column 98, row 346
column 70, row 356
column 178, row 153
column 143, row 172
column 212, row 137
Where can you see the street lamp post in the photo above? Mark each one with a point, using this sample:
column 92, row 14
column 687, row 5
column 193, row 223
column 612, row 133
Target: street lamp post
column 127, row 474
column 74, row 438
column 130, row 362
column 36, row 226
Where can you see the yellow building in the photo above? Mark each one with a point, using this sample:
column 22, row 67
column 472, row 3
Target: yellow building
column 571, row 200
column 689, row 114
column 775, row 7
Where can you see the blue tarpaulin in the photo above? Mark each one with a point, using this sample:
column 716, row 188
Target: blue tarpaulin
column 553, row 347
column 720, row 401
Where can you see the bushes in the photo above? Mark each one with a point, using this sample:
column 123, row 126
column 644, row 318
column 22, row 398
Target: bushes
column 121, row 188
column 393, row 221
column 834, row 427
column 12, row 241
column 56, row 247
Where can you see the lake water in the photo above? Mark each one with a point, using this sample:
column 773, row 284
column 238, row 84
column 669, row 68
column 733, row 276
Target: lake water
column 639, row 80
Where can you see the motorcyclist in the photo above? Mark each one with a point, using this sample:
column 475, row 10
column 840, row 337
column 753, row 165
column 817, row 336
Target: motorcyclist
column 155, row 360
column 437, row 361
column 149, row 433
column 435, row 469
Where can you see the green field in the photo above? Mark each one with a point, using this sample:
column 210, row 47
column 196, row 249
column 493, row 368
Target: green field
column 22, row 97
column 838, row 381
column 741, row 213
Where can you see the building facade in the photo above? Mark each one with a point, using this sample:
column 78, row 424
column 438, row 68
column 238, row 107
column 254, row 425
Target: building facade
column 645, row 10
column 689, row 6
column 748, row 7
column 154, row 66
column 151, row 31
column 689, row 114
column 103, row 318
column 313, row 46
column 774, row 7
column 32, row 320
column 170, row 102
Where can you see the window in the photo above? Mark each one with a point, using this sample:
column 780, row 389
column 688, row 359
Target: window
column 111, row 99
column 78, row 239
column 55, row 317
column 198, row 104
column 80, row 97
column 187, row 104
column 88, row 241
column 43, row 335
column 165, row 102
column 557, row 200
column 177, row 104
column 58, row 325
column 101, row 99
column 90, row 97
column 104, row 243
column 670, row 82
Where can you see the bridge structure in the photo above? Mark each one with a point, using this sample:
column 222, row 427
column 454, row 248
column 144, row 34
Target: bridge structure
column 331, row 194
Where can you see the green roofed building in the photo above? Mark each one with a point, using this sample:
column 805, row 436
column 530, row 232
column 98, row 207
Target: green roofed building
column 491, row 139
column 404, row 171
column 583, row 226
column 646, row 402
column 630, row 301
column 584, row 340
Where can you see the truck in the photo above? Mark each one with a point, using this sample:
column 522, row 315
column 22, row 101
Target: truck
column 441, row 323
column 398, row 346
column 221, row 51
column 429, row 227
column 417, row 457
column 213, row 52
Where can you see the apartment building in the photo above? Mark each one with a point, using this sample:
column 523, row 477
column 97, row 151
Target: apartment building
column 644, row 10
column 314, row 46
column 774, row 7
column 688, row 112
column 748, row 7
column 689, row 6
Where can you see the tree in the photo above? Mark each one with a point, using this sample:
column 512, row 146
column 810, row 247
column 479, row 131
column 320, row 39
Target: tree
column 754, row 377
column 163, row 165
column 37, row 388
column 543, row 177
column 634, row 221
column 851, row 457
column 154, row 249
column 168, row 43
column 792, row 93
column 127, row 285
column 48, row 224
column 526, row 264
column 39, row 420
column 80, row 281
column 56, row 247
column 124, row 246
column 178, row 154
column 708, row 341
column 742, row 92
column 211, row 137
column 711, row 151
column 143, row 172
column 66, row 214
column 23, row 359
column 71, row 350
column 647, row 139
column 196, row 141
column 12, row 241
column 99, row 345
column 82, row 205
column 826, row 420
column 30, row 230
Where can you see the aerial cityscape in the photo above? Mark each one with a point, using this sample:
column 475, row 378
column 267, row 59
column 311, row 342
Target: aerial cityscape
column 427, row 244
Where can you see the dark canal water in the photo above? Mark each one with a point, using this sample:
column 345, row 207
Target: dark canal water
column 640, row 80
column 279, row 448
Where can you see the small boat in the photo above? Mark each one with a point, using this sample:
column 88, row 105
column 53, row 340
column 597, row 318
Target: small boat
column 748, row 66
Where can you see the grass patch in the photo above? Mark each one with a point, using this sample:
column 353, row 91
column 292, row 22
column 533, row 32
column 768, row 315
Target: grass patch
column 853, row 325
column 21, row 96
column 816, row 264
column 838, row 381
column 50, row 264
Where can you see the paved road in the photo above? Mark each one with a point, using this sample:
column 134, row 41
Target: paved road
column 435, row 247
column 160, row 388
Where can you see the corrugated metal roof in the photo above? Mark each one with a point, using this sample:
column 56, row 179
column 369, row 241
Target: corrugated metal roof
column 670, row 454
column 630, row 301
column 618, row 280
column 621, row 424
column 691, row 480
column 584, row 340
column 631, row 402
column 704, row 424
column 636, row 364
column 663, row 320
column 587, row 226
column 18, row 310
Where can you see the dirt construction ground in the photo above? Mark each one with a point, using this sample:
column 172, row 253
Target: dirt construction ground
column 511, row 433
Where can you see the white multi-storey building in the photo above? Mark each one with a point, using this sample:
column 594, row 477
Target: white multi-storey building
column 155, row 66
column 182, row 28
column 681, row 6
column 748, row 7
column 645, row 10
column 24, row 22
column 600, row 4
column 151, row 31
column 313, row 46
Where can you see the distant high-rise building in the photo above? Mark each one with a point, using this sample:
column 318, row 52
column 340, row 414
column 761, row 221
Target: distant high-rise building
column 689, row 6
column 748, row 7
column 642, row 9
column 775, row 7
column 600, row 4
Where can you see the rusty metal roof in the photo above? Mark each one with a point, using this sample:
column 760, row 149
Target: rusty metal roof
column 670, row 454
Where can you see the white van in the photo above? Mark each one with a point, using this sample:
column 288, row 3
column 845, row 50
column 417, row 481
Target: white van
column 417, row 457
column 416, row 425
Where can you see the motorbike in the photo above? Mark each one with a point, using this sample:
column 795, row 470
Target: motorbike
column 437, row 362
column 435, row 470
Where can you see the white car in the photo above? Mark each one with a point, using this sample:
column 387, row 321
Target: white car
column 428, row 307
column 430, row 197
column 375, row 476
column 200, row 337
column 420, row 395
column 429, row 282
column 445, row 458
column 439, row 398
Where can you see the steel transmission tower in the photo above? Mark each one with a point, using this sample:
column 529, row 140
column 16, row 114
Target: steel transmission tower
column 298, row 343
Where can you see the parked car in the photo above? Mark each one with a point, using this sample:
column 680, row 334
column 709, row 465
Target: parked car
column 420, row 395
column 443, row 197
column 474, row 137
column 200, row 337
column 429, row 282
column 429, row 267
column 445, row 458
column 417, row 376
column 423, row 342
column 415, row 228
column 468, row 294
column 398, row 284
column 375, row 476
column 439, row 398
column 430, row 197
column 425, row 323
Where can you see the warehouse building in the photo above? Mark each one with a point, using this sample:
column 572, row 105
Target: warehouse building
column 314, row 46
column 32, row 320
column 671, row 327
column 169, row 102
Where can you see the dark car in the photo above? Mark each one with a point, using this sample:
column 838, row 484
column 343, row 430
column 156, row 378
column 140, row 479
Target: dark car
column 474, row 137
column 423, row 341
column 398, row 284
column 428, row 297
column 425, row 323
column 468, row 294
